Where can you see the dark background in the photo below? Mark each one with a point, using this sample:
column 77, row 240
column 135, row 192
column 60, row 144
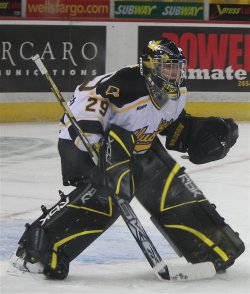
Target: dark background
column 40, row 35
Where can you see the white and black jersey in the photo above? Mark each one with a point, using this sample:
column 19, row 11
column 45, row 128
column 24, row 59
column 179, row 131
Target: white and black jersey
column 119, row 98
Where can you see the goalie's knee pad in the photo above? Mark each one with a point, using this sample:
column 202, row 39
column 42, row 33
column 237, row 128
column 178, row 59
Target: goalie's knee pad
column 62, row 232
column 184, row 216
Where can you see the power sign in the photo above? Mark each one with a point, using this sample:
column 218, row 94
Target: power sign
column 217, row 58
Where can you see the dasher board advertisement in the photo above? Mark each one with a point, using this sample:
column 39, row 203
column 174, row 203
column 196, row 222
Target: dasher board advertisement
column 230, row 12
column 68, row 8
column 158, row 10
column 217, row 58
column 71, row 54
column 10, row 8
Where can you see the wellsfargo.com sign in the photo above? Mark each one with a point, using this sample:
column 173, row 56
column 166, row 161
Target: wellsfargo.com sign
column 68, row 8
column 71, row 54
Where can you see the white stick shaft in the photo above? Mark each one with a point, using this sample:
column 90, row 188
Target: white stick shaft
column 64, row 105
column 39, row 64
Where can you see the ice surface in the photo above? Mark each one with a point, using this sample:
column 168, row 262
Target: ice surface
column 30, row 177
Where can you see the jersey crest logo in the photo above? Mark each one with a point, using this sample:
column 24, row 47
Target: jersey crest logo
column 114, row 91
column 144, row 139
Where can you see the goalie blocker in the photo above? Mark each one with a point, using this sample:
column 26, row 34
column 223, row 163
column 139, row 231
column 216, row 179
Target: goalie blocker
column 178, row 208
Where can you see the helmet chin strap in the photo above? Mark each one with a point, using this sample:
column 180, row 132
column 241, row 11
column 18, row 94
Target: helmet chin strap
column 161, row 96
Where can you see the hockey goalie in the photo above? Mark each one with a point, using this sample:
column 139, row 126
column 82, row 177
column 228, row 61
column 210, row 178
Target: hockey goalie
column 122, row 114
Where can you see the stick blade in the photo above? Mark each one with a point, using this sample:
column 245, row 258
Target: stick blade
column 186, row 272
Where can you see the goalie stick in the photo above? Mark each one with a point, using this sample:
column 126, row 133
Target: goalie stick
column 181, row 272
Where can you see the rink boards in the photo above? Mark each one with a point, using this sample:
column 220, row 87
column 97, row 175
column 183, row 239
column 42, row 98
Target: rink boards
column 218, row 73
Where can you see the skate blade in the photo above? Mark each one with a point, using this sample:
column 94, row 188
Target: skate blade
column 19, row 267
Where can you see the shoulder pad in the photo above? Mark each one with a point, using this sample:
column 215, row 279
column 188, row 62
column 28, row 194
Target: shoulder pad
column 125, row 86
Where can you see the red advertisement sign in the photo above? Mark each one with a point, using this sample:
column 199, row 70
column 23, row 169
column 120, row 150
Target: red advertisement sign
column 217, row 58
column 68, row 8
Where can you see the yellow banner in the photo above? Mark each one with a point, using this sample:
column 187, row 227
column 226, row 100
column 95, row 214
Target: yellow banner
column 229, row 1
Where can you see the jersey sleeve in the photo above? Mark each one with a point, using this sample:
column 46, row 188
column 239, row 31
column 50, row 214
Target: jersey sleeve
column 91, row 102
column 123, row 87
column 91, row 112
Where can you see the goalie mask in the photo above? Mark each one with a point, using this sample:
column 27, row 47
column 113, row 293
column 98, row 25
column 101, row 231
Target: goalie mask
column 163, row 65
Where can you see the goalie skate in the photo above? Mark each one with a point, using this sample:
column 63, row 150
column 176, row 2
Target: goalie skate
column 20, row 264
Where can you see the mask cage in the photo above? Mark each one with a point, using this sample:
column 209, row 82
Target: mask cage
column 171, row 71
